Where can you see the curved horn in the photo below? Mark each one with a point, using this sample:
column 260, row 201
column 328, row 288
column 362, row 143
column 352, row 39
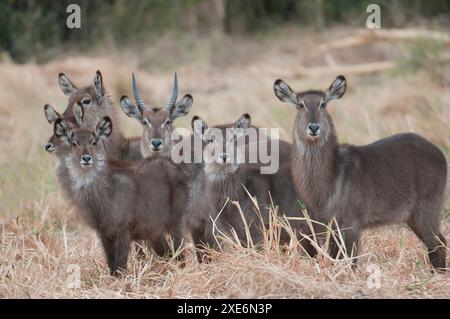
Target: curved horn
column 174, row 96
column 137, row 95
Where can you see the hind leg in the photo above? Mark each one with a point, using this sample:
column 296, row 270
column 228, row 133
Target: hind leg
column 428, row 232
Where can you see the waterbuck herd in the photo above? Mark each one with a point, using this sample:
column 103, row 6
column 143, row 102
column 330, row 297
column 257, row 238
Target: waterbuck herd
column 132, row 190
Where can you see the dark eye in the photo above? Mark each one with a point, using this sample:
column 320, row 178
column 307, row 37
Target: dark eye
column 145, row 122
column 301, row 105
column 167, row 123
column 86, row 101
column 94, row 142
column 322, row 105
column 74, row 144
column 210, row 140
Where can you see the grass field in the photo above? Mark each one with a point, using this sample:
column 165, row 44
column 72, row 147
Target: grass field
column 43, row 242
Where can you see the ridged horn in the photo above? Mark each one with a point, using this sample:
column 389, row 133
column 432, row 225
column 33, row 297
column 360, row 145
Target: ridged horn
column 173, row 98
column 137, row 95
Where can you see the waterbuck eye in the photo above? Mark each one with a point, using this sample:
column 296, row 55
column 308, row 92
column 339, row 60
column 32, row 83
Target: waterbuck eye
column 74, row 144
column 146, row 122
column 322, row 105
column 301, row 105
column 94, row 142
column 167, row 123
column 86, row 101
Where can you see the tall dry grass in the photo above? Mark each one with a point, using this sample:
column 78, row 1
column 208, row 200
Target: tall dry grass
column 41, row 235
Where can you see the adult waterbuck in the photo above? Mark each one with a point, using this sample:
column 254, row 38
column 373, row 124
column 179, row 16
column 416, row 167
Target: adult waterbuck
column 122, row 200
column 157, row 122
column 401, row 178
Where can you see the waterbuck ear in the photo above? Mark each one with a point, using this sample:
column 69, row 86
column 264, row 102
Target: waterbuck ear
column 103, row 129
column 284, row 92
column 98, row 85
column 242, row 124
column 62, row 131
column 50, row 114
column 78, row 112
column 198, row 126
column 66, row 86
column 129, row 108
column 182, row 107
column 336, row 89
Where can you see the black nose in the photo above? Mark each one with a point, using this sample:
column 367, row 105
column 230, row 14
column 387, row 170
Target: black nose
column 314, row 127
column 224, row 157
column 156, row 142
column 48, row 146
column 86, row 158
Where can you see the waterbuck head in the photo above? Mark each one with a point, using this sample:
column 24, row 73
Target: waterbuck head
column 313, row 123
column 223, row 149
column 87, row 151
column 92, row 98
column 54, row 145
column 157, row 122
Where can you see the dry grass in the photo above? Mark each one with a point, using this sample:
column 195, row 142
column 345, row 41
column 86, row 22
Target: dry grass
column 41, row 235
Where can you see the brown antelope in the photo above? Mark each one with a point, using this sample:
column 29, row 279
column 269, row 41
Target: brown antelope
column 157, row 122
column 122, row 200
column 224, row 179
column 95, row 105
column 401, row 178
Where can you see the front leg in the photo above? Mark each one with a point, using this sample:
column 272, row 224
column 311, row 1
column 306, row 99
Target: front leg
column 351, row 237
column 116, row 247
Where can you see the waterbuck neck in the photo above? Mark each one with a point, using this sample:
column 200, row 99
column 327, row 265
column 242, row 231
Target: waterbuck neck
column 315, row 169
column 90, row 192
column 223, row 187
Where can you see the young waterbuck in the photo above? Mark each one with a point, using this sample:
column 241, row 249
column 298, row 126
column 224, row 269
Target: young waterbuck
column 122, row 200
column 95, row 104
column 226, row 173
column 401, row 178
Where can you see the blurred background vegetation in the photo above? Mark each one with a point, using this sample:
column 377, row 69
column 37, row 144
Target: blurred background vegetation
column 32, row 29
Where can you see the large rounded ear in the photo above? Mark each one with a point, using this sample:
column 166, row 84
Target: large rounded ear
column 103, row 129
column 98, row 85
column 199, row 126
column 182, row 107
column 62, row 131
column 78, row 113
column 130, row 109
column 336, row 89
column 50, row 114
column 284, row 92
column 66, row 86
column 242, row 124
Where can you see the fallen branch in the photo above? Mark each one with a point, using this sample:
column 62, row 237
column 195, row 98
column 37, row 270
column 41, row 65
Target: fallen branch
column 372, row 35
column 363, row 68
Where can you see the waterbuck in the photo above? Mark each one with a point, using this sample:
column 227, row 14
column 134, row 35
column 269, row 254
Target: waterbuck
column 95, row 104
column 401, row 178
column 122, row 200
column 157, row 122
column 226, row 173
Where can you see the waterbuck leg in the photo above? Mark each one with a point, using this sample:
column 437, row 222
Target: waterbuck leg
column 108, row 243
column 433, row 239
column 122, row 250
column 140, row 253
column 116, row 250
column 351, row 237
column 178, row 242
column 203, row 237
column 160, row 246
